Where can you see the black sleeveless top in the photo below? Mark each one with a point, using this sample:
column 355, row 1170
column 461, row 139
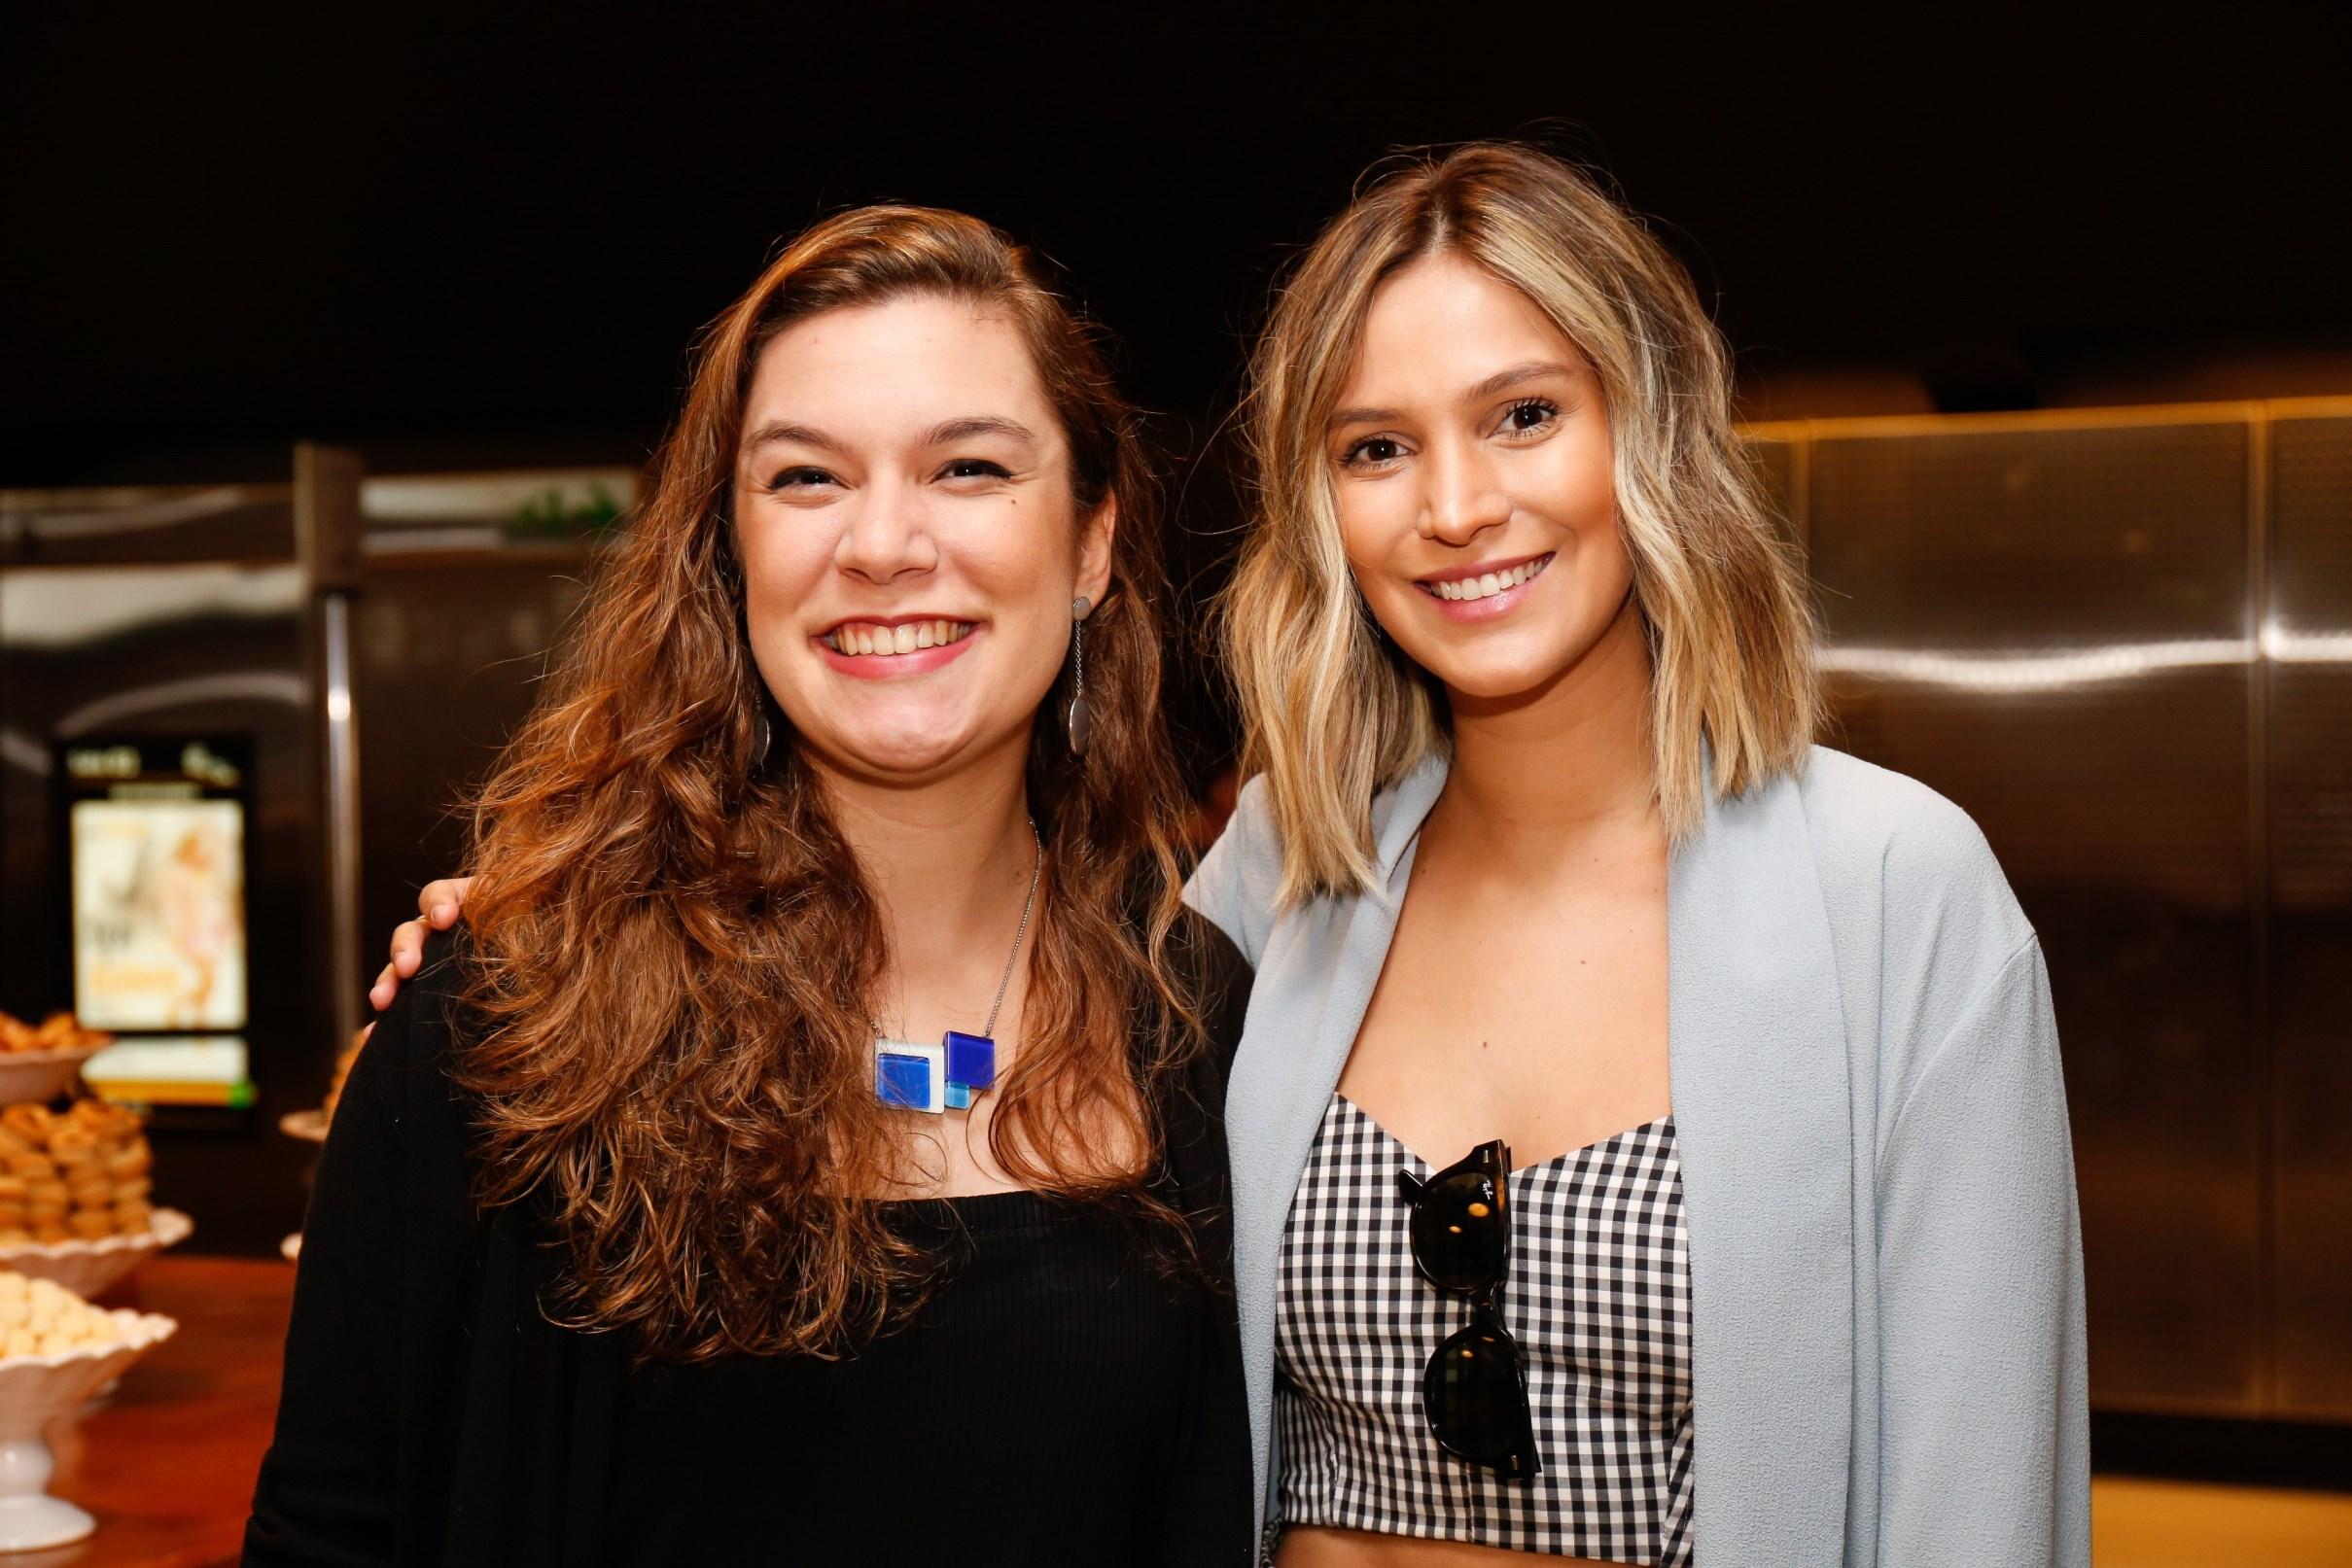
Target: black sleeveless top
column 1060, row 1399
column 1034, row 1410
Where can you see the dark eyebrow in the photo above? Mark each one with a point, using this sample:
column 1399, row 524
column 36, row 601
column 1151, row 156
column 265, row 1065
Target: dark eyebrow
column 1499, row 381
column 950, row 431
column 1504, row 380
column 776, row 433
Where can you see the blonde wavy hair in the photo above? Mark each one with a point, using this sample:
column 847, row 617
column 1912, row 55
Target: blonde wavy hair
column 1333, row 710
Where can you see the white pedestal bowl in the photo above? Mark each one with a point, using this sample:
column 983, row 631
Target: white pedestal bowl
column 35, row 1393
column 88, row 1268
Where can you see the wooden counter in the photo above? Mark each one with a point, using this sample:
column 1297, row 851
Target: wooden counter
column 167, row 1462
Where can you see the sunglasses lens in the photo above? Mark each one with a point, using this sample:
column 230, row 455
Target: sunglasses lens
column 1478, row 1403
column 1459, row 1238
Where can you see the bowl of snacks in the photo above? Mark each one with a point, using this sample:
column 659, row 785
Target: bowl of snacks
column 56, row 1350
column 75, row 1188
column 40, row 1063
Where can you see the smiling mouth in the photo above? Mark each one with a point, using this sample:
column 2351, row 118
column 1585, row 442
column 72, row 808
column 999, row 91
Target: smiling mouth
column 860, row 636
column 1487, row 584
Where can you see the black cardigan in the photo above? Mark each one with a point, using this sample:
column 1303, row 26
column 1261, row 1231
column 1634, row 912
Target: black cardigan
column 432, row 1415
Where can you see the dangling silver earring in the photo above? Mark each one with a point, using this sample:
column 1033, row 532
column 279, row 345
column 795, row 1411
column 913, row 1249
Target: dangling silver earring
column 1081, row 720
column 760, row 739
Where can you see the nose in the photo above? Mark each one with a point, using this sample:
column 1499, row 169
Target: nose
column 885, row 536
column 1463, row 497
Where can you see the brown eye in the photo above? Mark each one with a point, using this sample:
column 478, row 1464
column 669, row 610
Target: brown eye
column 975, row 468
column 1374, row 450
column 1534, row 414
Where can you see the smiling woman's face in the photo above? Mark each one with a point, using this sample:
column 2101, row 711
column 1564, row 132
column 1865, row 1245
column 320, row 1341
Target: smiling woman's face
column 909, row 539
column 1472, row 464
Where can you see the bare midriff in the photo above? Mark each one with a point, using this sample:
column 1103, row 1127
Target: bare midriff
column 1315, row 1547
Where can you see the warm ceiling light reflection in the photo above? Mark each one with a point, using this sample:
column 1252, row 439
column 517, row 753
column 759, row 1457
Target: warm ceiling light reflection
column 2066, row 669
column 2291, row 647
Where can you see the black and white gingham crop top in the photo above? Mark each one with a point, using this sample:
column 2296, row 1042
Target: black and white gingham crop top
column 1598, row 1298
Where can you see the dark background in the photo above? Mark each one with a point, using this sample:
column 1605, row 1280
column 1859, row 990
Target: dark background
column 455, row 242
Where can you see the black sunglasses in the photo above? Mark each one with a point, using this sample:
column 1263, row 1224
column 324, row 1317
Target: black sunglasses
column 1474, row 1389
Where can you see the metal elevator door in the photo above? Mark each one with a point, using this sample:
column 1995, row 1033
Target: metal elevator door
column 2123, row 642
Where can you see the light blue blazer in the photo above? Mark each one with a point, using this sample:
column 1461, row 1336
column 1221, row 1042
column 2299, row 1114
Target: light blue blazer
column 1887, row 1266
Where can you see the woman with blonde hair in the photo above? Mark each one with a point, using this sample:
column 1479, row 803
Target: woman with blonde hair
column 814, row 1152
column 1765, row 1251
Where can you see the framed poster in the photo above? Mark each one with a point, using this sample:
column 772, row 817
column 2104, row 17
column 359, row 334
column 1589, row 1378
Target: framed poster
column 155, row 845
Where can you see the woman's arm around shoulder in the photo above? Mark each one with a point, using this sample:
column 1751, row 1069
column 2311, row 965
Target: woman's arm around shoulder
column 329, row 1489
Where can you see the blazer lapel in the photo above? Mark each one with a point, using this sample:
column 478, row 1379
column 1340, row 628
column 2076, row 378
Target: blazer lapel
column 1304, row 1014
column 1762, row 1110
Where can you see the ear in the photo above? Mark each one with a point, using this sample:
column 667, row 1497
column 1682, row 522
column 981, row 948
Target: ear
column 1094, row 552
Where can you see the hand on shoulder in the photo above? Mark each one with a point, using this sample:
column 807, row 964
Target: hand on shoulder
column 441, row 906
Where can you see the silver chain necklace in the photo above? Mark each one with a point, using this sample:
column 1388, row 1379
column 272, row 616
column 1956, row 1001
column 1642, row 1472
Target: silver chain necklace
column 961, row 1067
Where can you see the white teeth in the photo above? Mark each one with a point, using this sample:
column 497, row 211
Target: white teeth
column 866, row 638
column 1487, row 584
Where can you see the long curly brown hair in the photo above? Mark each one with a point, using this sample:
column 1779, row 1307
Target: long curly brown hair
column 675, row 954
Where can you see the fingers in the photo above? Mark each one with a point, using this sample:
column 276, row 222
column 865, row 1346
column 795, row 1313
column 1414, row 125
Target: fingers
column 387, row 986
column 408, row 945
column 439, row 903
column 439, row 906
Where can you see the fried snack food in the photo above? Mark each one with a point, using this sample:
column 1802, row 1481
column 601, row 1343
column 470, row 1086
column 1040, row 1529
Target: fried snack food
column 40, row 1317
column 83, row 1171
column 57, row 1032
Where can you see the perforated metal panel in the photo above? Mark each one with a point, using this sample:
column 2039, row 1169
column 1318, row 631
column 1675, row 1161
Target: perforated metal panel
column 2310, row 935
column 2056, row 611
column 2051, row 627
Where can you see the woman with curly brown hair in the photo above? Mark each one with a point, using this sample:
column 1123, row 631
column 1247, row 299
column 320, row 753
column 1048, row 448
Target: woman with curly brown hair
column 654, row 1226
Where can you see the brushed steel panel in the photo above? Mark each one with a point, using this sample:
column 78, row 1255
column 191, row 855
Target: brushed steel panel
column 447, row 658
column 2311, row 848
column 144, row 525
column 2051, row 627
column 2131, row 537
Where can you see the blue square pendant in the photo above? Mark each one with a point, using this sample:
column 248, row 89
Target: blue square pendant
column 909, row 1075
column 971, row 1060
